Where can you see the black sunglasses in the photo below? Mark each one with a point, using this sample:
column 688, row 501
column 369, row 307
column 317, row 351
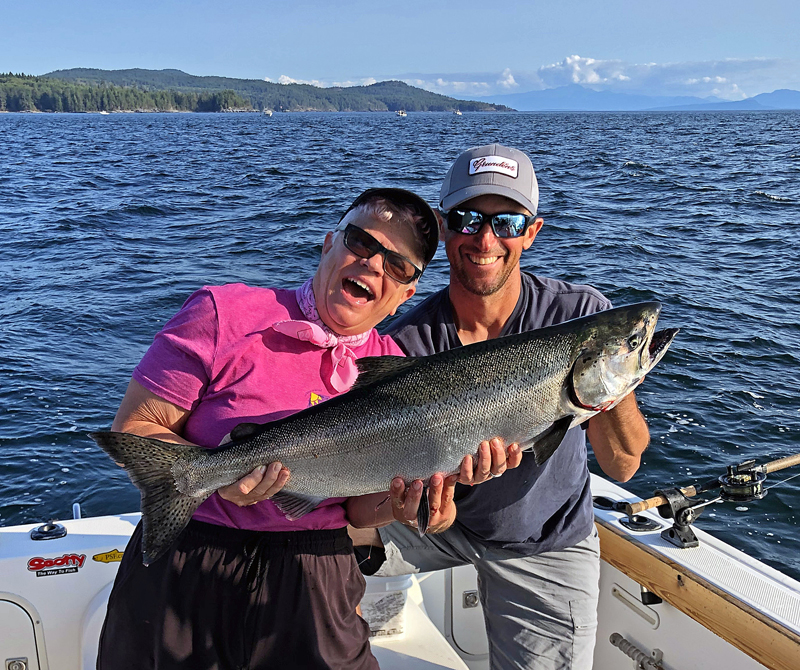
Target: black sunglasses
column 468, row 222
column 363, row 245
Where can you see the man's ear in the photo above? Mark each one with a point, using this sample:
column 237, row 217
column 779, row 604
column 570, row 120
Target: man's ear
column 440, row 221
column 533, row 230
column 328, row 243
column 409, row 291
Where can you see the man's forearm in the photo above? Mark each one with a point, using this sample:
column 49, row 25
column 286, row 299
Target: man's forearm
column 618, row 438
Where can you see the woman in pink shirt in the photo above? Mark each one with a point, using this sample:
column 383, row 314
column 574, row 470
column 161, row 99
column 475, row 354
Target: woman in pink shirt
column 244, row 587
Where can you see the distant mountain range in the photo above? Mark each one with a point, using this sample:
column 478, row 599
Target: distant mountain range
column 381, row 97
column 579, row 98
column 783, row 98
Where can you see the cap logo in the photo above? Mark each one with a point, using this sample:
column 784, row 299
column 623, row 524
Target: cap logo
column 499, row 164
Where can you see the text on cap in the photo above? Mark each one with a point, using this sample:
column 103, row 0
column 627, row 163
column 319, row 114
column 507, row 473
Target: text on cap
column 499, row 164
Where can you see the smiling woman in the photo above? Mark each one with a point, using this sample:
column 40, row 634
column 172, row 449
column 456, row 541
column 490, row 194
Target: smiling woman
column 354, row 289
column 237, row 354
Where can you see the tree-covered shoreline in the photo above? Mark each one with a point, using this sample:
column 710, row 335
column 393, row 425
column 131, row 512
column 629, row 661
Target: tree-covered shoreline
column 84, row 90
column 28, row 93
column 383, row 96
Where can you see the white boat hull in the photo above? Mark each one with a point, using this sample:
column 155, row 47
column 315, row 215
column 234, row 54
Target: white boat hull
column 721, row 608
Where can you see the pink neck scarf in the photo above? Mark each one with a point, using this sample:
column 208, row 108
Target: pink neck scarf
column 316, row 332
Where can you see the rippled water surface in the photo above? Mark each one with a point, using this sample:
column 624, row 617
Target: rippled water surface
column 109, row 222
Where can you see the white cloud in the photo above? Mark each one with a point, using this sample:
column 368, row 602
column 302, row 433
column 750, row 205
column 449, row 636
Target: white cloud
column 583, row 71
column 731, row 79
column 362, row 81
column 366, row 81
column 283, row 79
column 458, row 87
column 461, row 85
column 506, row 80
column 707, row 80
column 474, row 87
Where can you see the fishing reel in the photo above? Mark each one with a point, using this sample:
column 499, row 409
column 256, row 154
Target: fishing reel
column 741, row 483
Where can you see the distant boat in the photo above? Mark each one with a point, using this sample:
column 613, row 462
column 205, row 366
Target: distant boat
column 104, row 112
column 401, row 112
column 457, row 112
column 268, row 112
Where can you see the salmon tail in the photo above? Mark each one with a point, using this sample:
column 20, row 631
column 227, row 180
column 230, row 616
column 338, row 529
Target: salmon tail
column 165, row 510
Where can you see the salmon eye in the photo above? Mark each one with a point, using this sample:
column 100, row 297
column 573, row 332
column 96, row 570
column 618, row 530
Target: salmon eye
column 634, row 341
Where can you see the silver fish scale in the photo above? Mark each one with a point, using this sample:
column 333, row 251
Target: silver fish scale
column 412, row 424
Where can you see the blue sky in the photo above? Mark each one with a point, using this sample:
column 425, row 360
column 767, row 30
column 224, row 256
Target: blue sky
column 731, row 49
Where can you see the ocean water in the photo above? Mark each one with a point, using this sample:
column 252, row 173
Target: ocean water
column 109, row 222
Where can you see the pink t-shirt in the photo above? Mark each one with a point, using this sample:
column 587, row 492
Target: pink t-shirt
column 219, row 358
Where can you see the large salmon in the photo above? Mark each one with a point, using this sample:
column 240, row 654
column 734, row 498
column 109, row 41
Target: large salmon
column 408, row 417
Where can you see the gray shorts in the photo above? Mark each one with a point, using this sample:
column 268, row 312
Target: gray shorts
column 540, row 611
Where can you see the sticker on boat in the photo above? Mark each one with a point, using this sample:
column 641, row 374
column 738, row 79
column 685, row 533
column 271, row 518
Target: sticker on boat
column 45, row 567
column 114, row 556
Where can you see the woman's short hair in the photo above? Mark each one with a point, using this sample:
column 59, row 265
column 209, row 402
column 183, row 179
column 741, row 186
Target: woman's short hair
column 406, row 208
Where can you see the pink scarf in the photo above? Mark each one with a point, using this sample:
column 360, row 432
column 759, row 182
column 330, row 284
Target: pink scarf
column 316, row 332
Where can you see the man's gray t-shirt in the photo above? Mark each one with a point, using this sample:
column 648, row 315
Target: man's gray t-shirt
column 530, row 509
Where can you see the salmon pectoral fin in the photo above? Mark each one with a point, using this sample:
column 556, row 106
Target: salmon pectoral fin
column 295, row 506
column 546, row 442
column 423, row 513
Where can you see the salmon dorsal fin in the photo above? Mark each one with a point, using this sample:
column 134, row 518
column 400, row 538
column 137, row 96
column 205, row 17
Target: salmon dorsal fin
column 374, row 368
column 244, row 431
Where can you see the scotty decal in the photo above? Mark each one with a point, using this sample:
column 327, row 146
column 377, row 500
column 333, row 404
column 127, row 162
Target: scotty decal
column 44, row 567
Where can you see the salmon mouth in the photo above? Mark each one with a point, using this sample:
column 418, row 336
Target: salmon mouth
column 659, row 343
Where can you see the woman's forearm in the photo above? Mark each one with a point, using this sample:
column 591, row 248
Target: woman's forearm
column 370, row 511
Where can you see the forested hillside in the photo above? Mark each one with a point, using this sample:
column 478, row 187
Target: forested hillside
column 25, row 93
column 383, row 96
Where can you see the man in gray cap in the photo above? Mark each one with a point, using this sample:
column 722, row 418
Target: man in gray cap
column 531, row 535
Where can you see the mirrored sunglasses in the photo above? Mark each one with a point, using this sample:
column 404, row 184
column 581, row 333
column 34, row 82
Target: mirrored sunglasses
column 468, row 222
column 363, row 245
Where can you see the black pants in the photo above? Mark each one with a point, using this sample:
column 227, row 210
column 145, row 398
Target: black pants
column 229, row 599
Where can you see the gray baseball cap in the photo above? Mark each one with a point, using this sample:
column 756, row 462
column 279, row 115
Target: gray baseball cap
column 491, row 170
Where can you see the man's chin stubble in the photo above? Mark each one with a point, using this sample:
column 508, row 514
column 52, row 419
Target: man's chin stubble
column 480, row 288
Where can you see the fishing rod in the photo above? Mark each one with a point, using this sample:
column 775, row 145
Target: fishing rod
column 742, row 482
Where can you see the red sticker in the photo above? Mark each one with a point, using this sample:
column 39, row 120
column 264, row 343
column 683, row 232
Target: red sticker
column 65, row 564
